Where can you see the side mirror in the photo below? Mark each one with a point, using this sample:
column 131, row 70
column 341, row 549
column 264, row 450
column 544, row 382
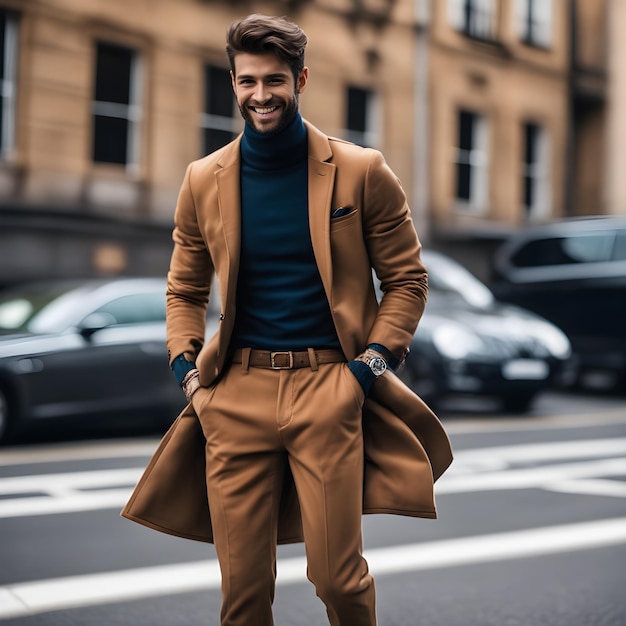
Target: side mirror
column 95, row 322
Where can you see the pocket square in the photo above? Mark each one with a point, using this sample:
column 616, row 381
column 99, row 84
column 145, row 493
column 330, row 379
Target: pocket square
column 342, row 210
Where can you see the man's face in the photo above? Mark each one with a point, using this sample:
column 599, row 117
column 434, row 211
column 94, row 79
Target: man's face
column 266, row 92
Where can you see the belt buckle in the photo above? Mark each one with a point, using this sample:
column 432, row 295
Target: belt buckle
column 273, row 356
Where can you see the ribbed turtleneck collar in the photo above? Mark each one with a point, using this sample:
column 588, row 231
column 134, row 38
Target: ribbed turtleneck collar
column 275, row 151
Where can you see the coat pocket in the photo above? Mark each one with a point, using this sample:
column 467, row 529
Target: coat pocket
column 348, row 216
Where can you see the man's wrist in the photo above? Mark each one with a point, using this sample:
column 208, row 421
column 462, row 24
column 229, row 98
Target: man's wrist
column 190, row 383
column 374, row 360
column 392, row 362
column 181, row 366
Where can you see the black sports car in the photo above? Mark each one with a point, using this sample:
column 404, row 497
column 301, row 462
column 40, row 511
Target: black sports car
column 467, row 343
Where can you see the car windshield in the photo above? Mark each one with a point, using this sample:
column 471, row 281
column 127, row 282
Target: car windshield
column 19, row 308
column 448, row 276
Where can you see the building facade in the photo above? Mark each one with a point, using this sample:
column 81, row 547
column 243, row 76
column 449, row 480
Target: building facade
column 473, row 102
column 499, row 123
column 105, row 102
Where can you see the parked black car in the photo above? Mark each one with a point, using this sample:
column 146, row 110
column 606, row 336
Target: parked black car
column 85, row 350
column 573, row 272
column 90, row 350
column 469, row 344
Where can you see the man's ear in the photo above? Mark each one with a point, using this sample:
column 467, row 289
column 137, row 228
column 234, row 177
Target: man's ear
column 232, row 80
column 302, row 80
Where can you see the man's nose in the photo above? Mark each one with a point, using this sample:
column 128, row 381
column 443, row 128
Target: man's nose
column 262, row 94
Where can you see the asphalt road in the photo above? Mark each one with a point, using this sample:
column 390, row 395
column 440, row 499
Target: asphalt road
column 531, row 532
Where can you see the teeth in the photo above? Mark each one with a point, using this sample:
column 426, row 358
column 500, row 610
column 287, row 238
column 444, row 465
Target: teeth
column 264, row 110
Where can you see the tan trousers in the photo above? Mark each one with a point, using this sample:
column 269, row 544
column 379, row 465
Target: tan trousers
column 255, row 422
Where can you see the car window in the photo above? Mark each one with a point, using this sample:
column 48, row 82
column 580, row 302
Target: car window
column 447, row 276
column 589, row 248
column 592, row 248
column 20, row 306
column 136, row 308
column 619, row 247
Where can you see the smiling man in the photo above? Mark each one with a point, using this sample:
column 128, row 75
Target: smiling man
column 296, row 423
column 266, row 90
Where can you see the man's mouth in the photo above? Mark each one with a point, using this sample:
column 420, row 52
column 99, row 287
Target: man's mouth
column 264, row 110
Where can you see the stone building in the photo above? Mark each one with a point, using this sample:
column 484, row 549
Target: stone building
column 476, row 104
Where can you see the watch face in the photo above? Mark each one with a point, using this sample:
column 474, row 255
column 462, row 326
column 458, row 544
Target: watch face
column 378, row 365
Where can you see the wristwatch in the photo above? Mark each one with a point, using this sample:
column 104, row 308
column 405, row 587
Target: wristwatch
column 374, row 361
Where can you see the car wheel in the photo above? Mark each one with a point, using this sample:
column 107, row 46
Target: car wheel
column 517, row 403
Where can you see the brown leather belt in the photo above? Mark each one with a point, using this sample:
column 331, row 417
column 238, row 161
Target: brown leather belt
column 287, row 360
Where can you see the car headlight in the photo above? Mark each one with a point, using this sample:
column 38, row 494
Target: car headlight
column 553, row 338
column 456, row 342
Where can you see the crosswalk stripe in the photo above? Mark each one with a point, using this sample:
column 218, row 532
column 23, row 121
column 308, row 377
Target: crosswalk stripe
column 21, row 599
column 481, row 469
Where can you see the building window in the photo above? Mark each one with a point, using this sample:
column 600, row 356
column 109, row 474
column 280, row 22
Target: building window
column 8, row 81
column 472, row 161
column 474, row 18
column 218, row 121
column 117, row 105
column 361, row 117
column 535, row 173
column 533, row 21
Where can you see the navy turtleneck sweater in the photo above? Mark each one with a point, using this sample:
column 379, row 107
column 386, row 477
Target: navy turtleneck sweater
column 281, row 304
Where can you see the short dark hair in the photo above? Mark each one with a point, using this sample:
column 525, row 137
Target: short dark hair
column 260, row 34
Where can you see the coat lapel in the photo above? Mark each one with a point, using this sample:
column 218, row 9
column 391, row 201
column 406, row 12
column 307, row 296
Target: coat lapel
column 229, row 201
column 321, row 184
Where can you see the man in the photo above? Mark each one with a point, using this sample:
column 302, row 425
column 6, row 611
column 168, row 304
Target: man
column 291, row 223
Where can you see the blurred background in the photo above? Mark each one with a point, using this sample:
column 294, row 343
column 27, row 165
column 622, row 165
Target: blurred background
column 495, row 114
column 504, row 120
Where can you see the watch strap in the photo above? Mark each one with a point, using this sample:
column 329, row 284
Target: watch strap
column 392, row 362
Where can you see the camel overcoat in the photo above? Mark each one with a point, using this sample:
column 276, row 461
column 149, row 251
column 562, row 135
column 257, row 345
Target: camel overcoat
column 406, row 447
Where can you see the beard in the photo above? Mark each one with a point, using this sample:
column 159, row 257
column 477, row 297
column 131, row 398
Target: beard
column 290, row 109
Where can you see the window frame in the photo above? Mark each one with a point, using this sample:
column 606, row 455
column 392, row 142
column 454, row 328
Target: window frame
column 533, row 27
column 132, row 112
column 536, row 176
column 210, row 120
column 467, row 16
column 476, row 159
column 8, row 84
column 369, row 136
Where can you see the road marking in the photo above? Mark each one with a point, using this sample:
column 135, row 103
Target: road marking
column 536, row 477
column 484, row 469
column 69, row 481
column 593, row 419
column 20, row 599
column 500, row 457
column 66, row 493
column 590, row 487
column 80, row 451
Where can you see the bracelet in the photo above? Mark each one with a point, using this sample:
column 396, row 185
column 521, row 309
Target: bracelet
column 190, row 383
column 189, row 375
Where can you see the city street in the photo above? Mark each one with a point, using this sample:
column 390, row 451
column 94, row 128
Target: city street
column 531, row 532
